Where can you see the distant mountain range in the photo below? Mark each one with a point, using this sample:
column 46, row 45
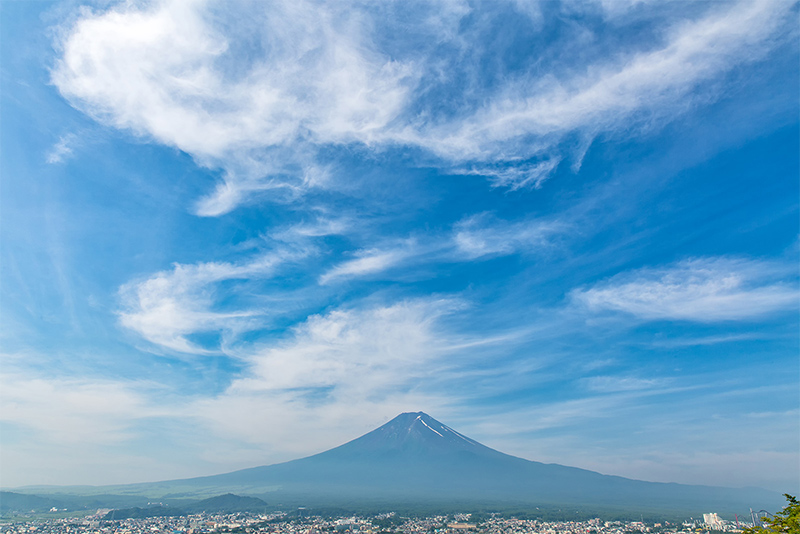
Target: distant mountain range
column 416, row 459
column 15, row 504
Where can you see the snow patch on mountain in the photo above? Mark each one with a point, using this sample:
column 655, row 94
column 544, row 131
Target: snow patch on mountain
column 426, row 424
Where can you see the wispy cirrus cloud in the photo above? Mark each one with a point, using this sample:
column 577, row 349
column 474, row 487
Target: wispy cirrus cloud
column 168, row 307
column 703, row 290
column 515, row 176
column 331, row 377
column 610, row 384
column 171, row 305
column 481, row 236
column 708, row 340
column 91, row 421
column 369, row 262
column 62, row 149
column 473, row 238
column 706, row 448
column 641, row 89
column 354, row 364
column 166, row 71
column 345, row 346
column 324, row 74
column 70, row 410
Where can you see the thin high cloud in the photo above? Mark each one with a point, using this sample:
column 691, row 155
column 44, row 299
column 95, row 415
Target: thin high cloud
column 528, row 175
column 713, row 441
column 319, row 75
column 480, row 236
column 474, row 238
column 171, row 305
column 704, row 290
column 336, row 375
column 62, row 150
column 565, row 413
column 368, row 262
column 304, row 103
column 333, row 369
column 643, row 88
column 73, row 410
column 168, row 307
column 610, row 384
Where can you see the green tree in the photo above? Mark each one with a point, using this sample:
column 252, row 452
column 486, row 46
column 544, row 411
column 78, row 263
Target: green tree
column 787, row 521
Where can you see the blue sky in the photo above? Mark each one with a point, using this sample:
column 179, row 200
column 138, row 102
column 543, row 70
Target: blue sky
column 236, row 234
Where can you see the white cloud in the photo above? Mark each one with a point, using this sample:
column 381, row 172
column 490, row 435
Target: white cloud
column 91, row 430
column 703, row 290
column 472, row 238
column 706, row 340
column 609, row 384
column 165, row 70
column 321, row 227
column 639, row 88
column 618, row 8
column 479, row 236
column 369, row 262
column 344, row 347
column 314, row 74
column 518, row 176
column 271, row 171
column 710, row 445
column 160, row 69
column 559, row 414
column 705, row 467
column 339, row 374
column 335, row 376
column 72, row 410
column 634, row 90
column 171, row 305
column 62, row 149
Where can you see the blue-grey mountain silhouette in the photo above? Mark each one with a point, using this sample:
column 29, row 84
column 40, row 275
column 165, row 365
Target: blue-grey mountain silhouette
column 416, row 458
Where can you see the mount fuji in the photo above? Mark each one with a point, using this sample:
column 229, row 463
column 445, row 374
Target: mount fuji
column 416, row 459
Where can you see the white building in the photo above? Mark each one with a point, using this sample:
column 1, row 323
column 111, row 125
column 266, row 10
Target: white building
column 712, row 520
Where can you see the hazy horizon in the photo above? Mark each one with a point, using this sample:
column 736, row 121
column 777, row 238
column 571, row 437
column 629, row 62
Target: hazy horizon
column 236, row 234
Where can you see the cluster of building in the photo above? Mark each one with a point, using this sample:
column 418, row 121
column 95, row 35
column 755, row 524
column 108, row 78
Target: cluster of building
column 280, row 523
column 596, row 526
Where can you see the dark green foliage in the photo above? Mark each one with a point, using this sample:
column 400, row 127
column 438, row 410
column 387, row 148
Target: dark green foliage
column 228, row 503
column 787, row 521
column 387, row 523
column 19, row 502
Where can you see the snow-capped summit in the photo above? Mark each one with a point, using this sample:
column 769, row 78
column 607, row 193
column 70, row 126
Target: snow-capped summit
column 413, row 432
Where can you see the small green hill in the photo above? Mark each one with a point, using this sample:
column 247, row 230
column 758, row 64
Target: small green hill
column 19, row 502
column 227, row 503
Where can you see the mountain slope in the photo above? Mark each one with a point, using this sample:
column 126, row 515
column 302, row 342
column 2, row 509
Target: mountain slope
column 414, row 457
